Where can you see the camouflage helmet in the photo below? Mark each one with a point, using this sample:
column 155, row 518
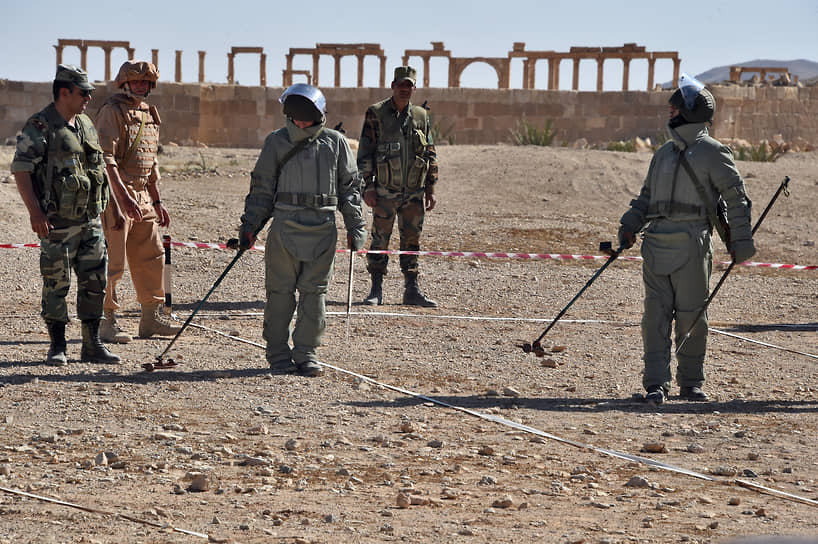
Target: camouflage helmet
column 303, row 102
column 695, row 103
column 138, row 70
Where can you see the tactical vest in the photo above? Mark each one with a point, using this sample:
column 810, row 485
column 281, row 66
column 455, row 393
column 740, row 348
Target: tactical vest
column 136, row 156
column 400, row 158
column 71, row 182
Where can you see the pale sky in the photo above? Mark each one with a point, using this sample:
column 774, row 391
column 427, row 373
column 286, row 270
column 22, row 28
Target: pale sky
column 705, row 33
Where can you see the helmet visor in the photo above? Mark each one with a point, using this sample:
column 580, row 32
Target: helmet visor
column 690, row 88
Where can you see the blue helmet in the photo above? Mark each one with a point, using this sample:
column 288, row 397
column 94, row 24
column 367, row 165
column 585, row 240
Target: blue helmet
column 303, row 102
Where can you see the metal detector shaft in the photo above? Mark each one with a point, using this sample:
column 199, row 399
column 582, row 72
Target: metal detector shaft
column 614, row 255
column 781, row 188
column 349, row 289
column 239, row 253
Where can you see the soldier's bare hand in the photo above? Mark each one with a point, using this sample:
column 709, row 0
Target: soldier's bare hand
column 119, row 219
column 40, row 224
column 131, row 208
column 430, row 202
column 162, row 215
column 371, row 198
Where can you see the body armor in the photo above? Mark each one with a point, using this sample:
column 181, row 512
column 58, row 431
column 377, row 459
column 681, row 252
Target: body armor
column 401, row 160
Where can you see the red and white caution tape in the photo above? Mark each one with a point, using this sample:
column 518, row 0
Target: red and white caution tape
column 474, row 254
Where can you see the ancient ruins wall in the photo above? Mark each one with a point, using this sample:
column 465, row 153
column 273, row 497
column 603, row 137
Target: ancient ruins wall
column 232, row 115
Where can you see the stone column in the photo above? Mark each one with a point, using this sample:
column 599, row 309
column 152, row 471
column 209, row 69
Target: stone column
column 426, row 68
column 600, row 62
column 155, row 58
column 202, row 66
column 551, row 63
column 288, row 73
column 84, row 57
column 383, row 71
column 59, row 54
column 575, row 82
column 556, row 68
column 676, row 63
column 107, row 50
column 315, row 58
column 178, row 77
column 130, row 53
column 337, row 58
column 651, row 69
column 360, row 70
column 230, row 74
column 262, row 70
column 626, row 70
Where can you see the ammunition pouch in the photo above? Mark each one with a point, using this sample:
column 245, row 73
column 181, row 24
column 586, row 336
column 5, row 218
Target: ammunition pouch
column 388, row 165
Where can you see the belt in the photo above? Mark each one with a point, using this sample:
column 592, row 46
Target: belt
column 307, row 199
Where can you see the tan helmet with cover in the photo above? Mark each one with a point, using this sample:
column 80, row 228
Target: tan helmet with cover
column 136, row 70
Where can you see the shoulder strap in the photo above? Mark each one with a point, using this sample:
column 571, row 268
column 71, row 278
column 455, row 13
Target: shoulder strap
column 711, row 213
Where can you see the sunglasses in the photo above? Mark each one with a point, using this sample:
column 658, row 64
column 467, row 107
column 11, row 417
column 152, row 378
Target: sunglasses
column 84, row 92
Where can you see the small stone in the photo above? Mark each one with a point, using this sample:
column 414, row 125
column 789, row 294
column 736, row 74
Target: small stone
column 695, row 448
column 654, row 447
column 714, row 525
column 201, row 482
column 101, row 460
column 734, row 501
column 261, row 429
column 505, row 502
column 178, row 489
column 724, row 471
column 549, row 363
column 486, row 450
column 752, row 456
column 638, row 481
column 511, row 392
column 403, row 500
column 407, row 427
column 437, row 444
column 418, row 500
column 291, row 444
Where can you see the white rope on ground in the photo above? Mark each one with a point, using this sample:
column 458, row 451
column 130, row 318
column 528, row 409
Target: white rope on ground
column 532, row 430
column 103, row 512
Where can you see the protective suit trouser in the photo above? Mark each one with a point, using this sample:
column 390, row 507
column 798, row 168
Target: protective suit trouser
column 284, row 275
column 140, row 242
column 81, row 248
column 676, row 273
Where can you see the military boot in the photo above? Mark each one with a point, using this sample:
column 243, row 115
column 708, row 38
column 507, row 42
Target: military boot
column 152, row 323
column 375, row 295
column 110, row 332
column 93, row 351
column 413, row 296
column 56, row 352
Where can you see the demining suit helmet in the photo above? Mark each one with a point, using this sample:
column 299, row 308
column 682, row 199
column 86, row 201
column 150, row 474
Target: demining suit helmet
column 138, row 70
column 695, row 103
column 304, row 102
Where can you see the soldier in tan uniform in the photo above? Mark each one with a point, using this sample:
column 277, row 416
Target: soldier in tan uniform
column 129, row 134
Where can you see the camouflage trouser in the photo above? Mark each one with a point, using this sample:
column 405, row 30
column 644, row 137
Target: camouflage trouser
column 81, row 247
column 410, row 212
column 678, row 259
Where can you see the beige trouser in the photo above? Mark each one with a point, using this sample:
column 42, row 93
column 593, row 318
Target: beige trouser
column 140, row 242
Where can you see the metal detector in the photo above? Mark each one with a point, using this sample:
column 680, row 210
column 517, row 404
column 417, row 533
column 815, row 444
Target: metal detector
column 784, row 187
column 605, row 247
column 170, row 363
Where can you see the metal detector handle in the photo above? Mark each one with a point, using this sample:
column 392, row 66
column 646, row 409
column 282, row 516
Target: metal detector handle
column 784, row 187
column 604, row 247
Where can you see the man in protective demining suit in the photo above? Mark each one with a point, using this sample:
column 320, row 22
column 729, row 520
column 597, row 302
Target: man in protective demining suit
column 692, row 182
column 304, row 173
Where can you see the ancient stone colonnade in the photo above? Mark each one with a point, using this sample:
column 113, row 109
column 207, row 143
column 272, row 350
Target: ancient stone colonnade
column 501, row 65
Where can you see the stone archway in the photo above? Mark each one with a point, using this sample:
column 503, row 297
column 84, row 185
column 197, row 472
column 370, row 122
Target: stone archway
column 501, row 67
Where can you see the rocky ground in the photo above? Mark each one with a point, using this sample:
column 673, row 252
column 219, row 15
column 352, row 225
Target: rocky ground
column 224, row 449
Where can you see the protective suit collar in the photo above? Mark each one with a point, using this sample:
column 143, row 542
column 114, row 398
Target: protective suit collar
column 688, row 134
column 297, row 134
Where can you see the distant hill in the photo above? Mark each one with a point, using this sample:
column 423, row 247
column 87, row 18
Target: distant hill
column 804, row 69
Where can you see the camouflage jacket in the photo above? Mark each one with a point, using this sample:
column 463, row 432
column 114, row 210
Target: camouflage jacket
column 396, row 153
column 66, row 166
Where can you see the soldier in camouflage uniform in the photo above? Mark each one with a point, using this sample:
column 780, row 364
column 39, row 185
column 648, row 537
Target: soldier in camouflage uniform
column 129, row 133
column 398, row 162
column 305, row 172
column 678, row 218
column 61, row 177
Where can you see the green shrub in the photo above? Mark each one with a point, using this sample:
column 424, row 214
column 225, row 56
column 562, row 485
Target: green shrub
column 628, row 146
column 528, row 134
column 440, row 133
column 763, row 152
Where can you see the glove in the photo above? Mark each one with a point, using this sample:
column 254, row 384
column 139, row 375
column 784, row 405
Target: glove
column 742, row 250
column 246, row 238
column 356, row 238
column 626, row 238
